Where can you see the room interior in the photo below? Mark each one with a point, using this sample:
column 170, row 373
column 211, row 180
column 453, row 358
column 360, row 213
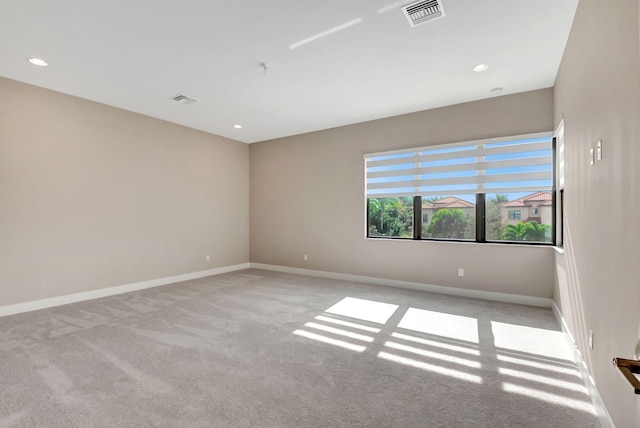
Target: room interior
column 103, row 195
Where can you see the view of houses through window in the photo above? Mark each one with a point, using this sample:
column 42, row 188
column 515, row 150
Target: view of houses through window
column 450, row 218
column 498, row 189
column 508, row 217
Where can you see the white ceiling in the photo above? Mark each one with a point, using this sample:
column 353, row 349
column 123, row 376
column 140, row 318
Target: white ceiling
column 137, row 54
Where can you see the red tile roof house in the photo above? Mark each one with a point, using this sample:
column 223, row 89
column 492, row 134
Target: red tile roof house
column 430, row 208
column 535, row 207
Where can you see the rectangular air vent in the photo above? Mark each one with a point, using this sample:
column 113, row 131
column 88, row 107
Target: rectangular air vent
column 183, row 99
column 423, row 11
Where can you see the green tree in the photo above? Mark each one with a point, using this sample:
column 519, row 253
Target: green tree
column 514, row 232
column 493, row 219
column 469, row 226
column 375, row 217
column 391, row 216
column 447, row 223
column 538, row 232
column 529, row 231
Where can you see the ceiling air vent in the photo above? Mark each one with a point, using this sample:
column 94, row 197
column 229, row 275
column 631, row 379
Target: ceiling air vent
column 423, row 11
column 183, row 99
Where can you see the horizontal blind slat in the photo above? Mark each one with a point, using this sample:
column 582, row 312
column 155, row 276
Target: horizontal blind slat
column 540, row 136
column 520, row 189
column 452, row 156
column 516, row 148
column 508, row 163
column 471, row 181
column 472, row 168
column 419, row 158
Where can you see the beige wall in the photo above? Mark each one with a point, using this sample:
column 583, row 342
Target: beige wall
column 598, row 94
column 92, row 196
column 307, row 198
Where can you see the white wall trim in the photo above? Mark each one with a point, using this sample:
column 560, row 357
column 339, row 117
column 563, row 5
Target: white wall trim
column 601, row 410
column 462, row 292
column 111, row 291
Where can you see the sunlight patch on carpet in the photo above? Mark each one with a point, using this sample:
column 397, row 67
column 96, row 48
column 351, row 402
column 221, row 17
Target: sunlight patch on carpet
column 339, row 332
column 536, row 341
column 441, row 324
column 577, row 386
column 348, row 324
column 559, row 400
column 430, row 367
column 437, row 344
column 433, row 355
column 330, row 341
column 527, row 363
column 367, row 310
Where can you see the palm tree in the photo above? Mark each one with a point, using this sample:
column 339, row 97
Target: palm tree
column 538, row 232
column 529, row 231
column 514, row 232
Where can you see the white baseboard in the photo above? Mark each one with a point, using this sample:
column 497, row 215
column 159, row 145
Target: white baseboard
column 598, row 403
column 110, row 291
column 462, row 292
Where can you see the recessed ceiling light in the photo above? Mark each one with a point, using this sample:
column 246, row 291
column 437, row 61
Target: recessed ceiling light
column 480, row 67
column 39, row 62
column 237, row 126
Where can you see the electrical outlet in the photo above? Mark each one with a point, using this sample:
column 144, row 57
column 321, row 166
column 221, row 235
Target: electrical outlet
column 599, row 150
column 208, row 258
column 591, row 156
column 461, row 272
column 305, row 257
column 591, row 339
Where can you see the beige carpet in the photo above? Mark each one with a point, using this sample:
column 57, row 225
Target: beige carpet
column 263, row 349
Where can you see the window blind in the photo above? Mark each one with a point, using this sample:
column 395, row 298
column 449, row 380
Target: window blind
column 515, row 164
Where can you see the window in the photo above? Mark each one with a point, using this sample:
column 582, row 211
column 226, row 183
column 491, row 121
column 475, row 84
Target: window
column 473, row 191
column 560, row 169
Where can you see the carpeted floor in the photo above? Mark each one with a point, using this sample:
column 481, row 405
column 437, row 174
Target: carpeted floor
column 263, row 349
